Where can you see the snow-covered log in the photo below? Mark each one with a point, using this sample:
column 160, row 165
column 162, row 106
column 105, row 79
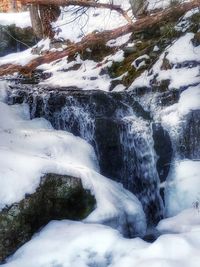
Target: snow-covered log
column 91, row 40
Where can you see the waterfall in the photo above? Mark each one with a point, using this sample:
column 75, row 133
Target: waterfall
column 139, row 165
column 116, row 126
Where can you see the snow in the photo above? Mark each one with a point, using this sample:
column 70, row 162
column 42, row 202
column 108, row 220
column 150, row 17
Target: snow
column 158, row 4
column 182, row 56
column 182, row 187
column 87, row 77
column 19, row 58
column 119, row 88
column 92, row 20
column 183, row 50
column 189, row 100
column 20, row 19
column 31, row 148
column 162, row 4
column 140, row 61
column 76, row 244
column 186, row 221
column 119, row 41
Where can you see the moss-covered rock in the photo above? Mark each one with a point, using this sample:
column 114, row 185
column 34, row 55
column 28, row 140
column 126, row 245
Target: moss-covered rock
column 57, row 197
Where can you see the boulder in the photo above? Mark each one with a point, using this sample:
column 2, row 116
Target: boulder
column 57, row 197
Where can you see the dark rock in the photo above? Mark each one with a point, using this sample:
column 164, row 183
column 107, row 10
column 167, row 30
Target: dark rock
column 166, row 65
column 168, row 97
column 107, row 136
column 128, row 50
column 188, row 144
column 57, row 197
column 164, row 150
column 15, row 39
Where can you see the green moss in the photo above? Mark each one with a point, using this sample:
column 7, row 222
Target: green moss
column 195, row 22
column 195, row 18
column 96, row 53
column 174, row 3
column 169, row 31
column 131, row 76
column 119, row 68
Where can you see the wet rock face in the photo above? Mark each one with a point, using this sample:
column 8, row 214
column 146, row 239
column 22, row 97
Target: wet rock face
column 189, row 140
column 163, row 148
column 9, row 36
column 57, row 197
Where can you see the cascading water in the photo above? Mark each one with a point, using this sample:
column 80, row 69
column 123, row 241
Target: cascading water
column 117, row 127
column 139, row 165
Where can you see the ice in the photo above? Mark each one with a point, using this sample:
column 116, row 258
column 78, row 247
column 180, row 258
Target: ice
column 31, row 148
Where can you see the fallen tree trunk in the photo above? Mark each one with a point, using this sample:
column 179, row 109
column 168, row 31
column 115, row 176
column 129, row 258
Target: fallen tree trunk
column 91, row 40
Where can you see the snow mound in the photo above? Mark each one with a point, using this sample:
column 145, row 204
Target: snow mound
column 19, row 58
column 31, row 148
column 185, row 221
column 183, row 186
column 75, row 244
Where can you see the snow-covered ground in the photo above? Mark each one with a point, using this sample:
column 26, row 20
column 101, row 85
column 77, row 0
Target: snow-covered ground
column 180, row 52
column 183, row 186
column 76, row 244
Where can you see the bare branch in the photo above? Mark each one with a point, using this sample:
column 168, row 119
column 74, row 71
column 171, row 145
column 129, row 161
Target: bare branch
column 82, row 3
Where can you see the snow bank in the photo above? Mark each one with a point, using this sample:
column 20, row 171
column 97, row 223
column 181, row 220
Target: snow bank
column 20, row 19
column 186, row 221
column 189, row 100
column 75, row 244
column 31, row 148
column 183, row 186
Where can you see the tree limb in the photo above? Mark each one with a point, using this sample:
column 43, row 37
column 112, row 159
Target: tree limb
column 82, row 3
column 91, row 40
